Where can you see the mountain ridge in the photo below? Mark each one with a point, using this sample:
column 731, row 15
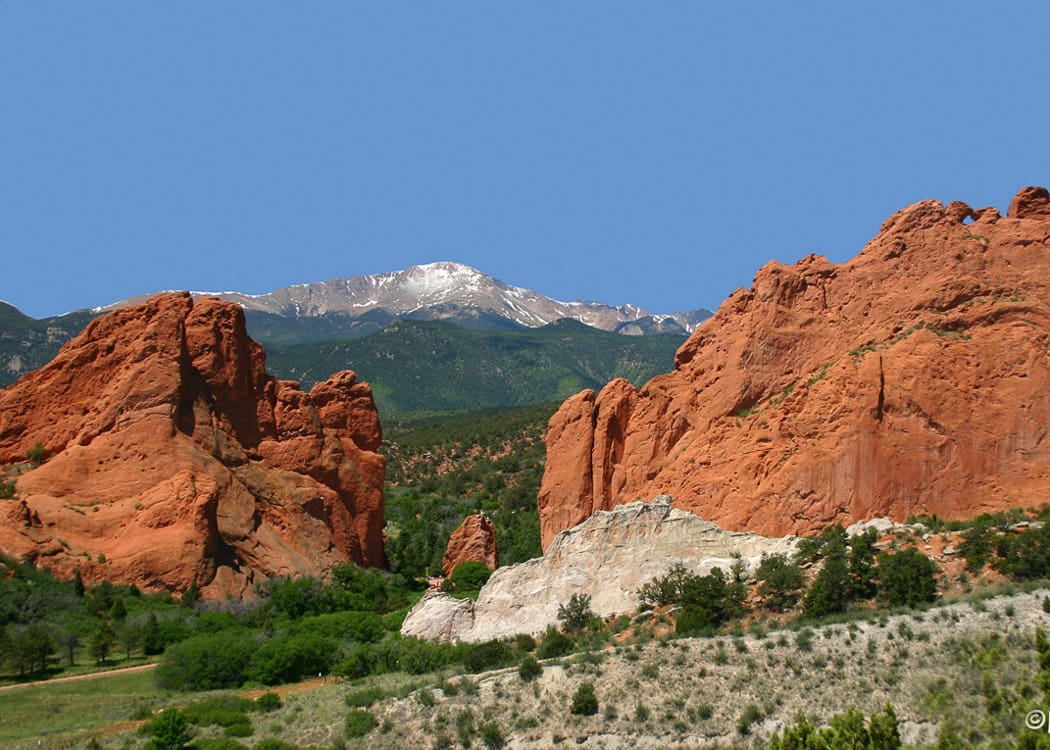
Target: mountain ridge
column 445, row 290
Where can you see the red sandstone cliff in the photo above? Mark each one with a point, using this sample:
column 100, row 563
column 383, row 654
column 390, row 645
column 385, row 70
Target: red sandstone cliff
column 914, row 379
column 473, row 540
column 177, row 457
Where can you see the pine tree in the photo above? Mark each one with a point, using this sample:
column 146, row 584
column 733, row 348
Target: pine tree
column 192, row 594
column 151, row 640
column 78, row 583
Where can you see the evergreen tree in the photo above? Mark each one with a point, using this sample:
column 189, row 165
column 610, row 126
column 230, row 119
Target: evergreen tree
column 151, row 638
column 575, row 615
column 862, row 565
column 102, row 641
column 830, row 591
column 907, row 578
column 781, row 581
column 192, row 594
column 78, row 583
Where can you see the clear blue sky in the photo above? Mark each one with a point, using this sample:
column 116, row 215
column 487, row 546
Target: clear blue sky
column 654, row 153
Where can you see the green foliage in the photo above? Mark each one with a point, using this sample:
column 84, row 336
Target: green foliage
column 26, row 649
column 192, row 595
column 666, row 589
column 219, row 743
column 1024, row 556
column 441, row 470
column 467, row 578
column 575, row 615
column 7, row 489
column 488, row 655
column 584, row 700
column 554, row 644
column 751, row 715
column 169, row 731
column 781, row 581
column 288, row 658
column 907, row 578
column 152, row 642
column 709, row 601
column 492, row 736
column 359, row 722
column 529, row 669
column 862, row 565
column 206, row 662
column 830, row 590
column 478, row 369
column 847, row 730
column 102, row 640
column 222, row 711
column 267, row 702
column 37, row 455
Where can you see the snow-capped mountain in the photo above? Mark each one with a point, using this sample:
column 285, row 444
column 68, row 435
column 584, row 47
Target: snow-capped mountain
column 454, row 292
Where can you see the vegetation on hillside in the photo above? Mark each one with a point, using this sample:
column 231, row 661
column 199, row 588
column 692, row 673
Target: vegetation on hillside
column 441, row 470
column 28, row 343
column 427, row 367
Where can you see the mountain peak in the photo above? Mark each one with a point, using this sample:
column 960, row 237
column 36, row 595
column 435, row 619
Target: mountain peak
column 446, row 290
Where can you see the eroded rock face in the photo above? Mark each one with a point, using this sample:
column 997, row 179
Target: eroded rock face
column 607, row 557
column 175, row 456
column 474, row 540
column 914, row 379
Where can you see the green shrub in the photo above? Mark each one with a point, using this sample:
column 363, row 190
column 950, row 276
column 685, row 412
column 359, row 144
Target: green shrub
column 467, row 578
column 488, row 655
column 781, row 581
column 907, row 578
column 268, row 702
column 220, row 743
column 524, row 642
column 553, row 645
column 206, row 662
column 239, row 729
column 584, row 700
column 492, row 736
column 364, row 697
column 223, row 711
column 576, row 614
column 360, row 722
column 529, row 669
column 288, row 658
column 751, row 715
column 274, row 744
column 169, row 731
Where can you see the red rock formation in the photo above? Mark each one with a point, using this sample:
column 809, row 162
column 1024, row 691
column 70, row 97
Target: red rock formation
column 177, row 457
column 914, row 379
column 474, row 540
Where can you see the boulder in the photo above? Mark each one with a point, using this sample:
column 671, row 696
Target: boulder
column 474, row 540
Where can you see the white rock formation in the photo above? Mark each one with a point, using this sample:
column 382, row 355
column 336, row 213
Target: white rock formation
column 608, row 557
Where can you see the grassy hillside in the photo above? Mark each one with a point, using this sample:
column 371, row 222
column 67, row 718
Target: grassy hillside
column 423, row 367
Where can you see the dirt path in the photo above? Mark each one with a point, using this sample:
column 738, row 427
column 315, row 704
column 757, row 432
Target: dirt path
column 88, row 676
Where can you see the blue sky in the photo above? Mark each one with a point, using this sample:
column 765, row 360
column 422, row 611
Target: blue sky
column 654, row 153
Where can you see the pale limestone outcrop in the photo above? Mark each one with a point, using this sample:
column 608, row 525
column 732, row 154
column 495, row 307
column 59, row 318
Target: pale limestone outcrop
column 607, row 557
